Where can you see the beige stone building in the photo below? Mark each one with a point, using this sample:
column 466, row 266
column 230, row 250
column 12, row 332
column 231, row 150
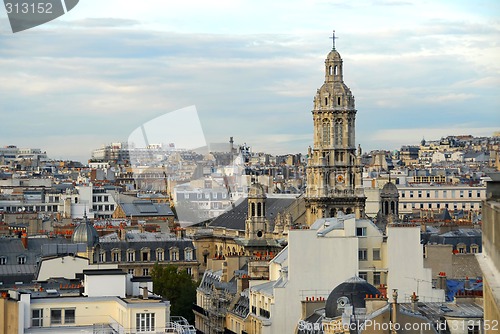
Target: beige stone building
column 489, row 259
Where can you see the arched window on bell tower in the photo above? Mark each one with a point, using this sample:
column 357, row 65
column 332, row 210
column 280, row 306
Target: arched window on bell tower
column 326, row 132
column 338, row 133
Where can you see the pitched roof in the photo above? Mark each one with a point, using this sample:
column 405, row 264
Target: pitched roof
column 234, row 219
column 146, row 209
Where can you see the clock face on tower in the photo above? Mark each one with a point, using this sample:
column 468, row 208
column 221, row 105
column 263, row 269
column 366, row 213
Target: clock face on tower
column 340, row 178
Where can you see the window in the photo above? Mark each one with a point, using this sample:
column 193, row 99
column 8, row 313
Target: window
column 102, row 257
column 145, row 271
column 326, row 132
column 224, row 195
column 130, row 271
column 145, row 322
column 188, row 254
column 55, row 317
column 444, row 193
column 470, row 193
column 214, row 195
column 174, row 254
column 421, row 205
column 420, row 193
column 428, row 194
column 478, row 194
column 376, row 278
column 186, row 195
column 363, row 255
column 189, row 271
column 130, row 255
column 363, row 275
column 360, row 231
column 474, row 248
column 69, row 316
column 403, row 194
column 376, row 254
column 461, row 248
column 338, row 132
column 37, row 318
column 160, row 255
column 473, row 329
column 411, row 193
column 21, row 259
column 429, row 205
column 116, row 255
column 461, row 193
column 198, row 196
column 145, row 254
column 3, row 260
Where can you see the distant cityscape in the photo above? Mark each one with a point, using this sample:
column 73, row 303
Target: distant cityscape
column 332, row 241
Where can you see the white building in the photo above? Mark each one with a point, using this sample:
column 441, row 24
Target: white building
column 332, row 250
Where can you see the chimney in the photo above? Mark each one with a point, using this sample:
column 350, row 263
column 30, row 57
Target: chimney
column 224, row 272
column 414, row 300
column 242, row 283
column 467, row 283
column 441, row 281
column 24, row 240
column 394, row 310
column 181, row 233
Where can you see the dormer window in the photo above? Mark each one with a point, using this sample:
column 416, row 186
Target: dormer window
column 115, row 254
column 145, row 254
column 3, row 260
column 130, row 255
column 174, row 254
column 160, row 255
column 188, row 254
column 21, row 259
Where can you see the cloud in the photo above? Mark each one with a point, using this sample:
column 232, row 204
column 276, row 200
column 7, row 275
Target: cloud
column 98, row 82
column 102, row 22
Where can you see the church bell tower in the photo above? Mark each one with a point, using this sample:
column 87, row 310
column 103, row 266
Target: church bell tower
column 334, row 171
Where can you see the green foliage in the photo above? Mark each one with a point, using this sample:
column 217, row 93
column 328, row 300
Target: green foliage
column 176, row 286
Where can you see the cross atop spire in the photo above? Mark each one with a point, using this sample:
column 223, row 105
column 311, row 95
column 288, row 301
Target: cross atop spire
column 333, row 40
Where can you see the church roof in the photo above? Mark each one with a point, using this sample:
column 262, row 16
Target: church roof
column 86, row 233
column 333, row 55
column 390, row 189
column 234, row 219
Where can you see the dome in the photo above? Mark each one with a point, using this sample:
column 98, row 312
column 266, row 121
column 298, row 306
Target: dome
column 355, row 289
column 390, row 189
column 333, row 55
column 85, row 233
column 256, row 191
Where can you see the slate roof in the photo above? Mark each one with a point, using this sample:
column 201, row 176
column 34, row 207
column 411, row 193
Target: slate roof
column 12, row 249
column 138, row 241
column 467, row 236
column 235, row 219
column 146, row 209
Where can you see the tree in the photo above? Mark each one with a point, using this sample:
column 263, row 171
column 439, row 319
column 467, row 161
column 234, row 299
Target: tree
column 178, row 287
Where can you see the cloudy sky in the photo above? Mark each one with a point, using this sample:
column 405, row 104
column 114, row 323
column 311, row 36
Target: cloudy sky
column 251, row 68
